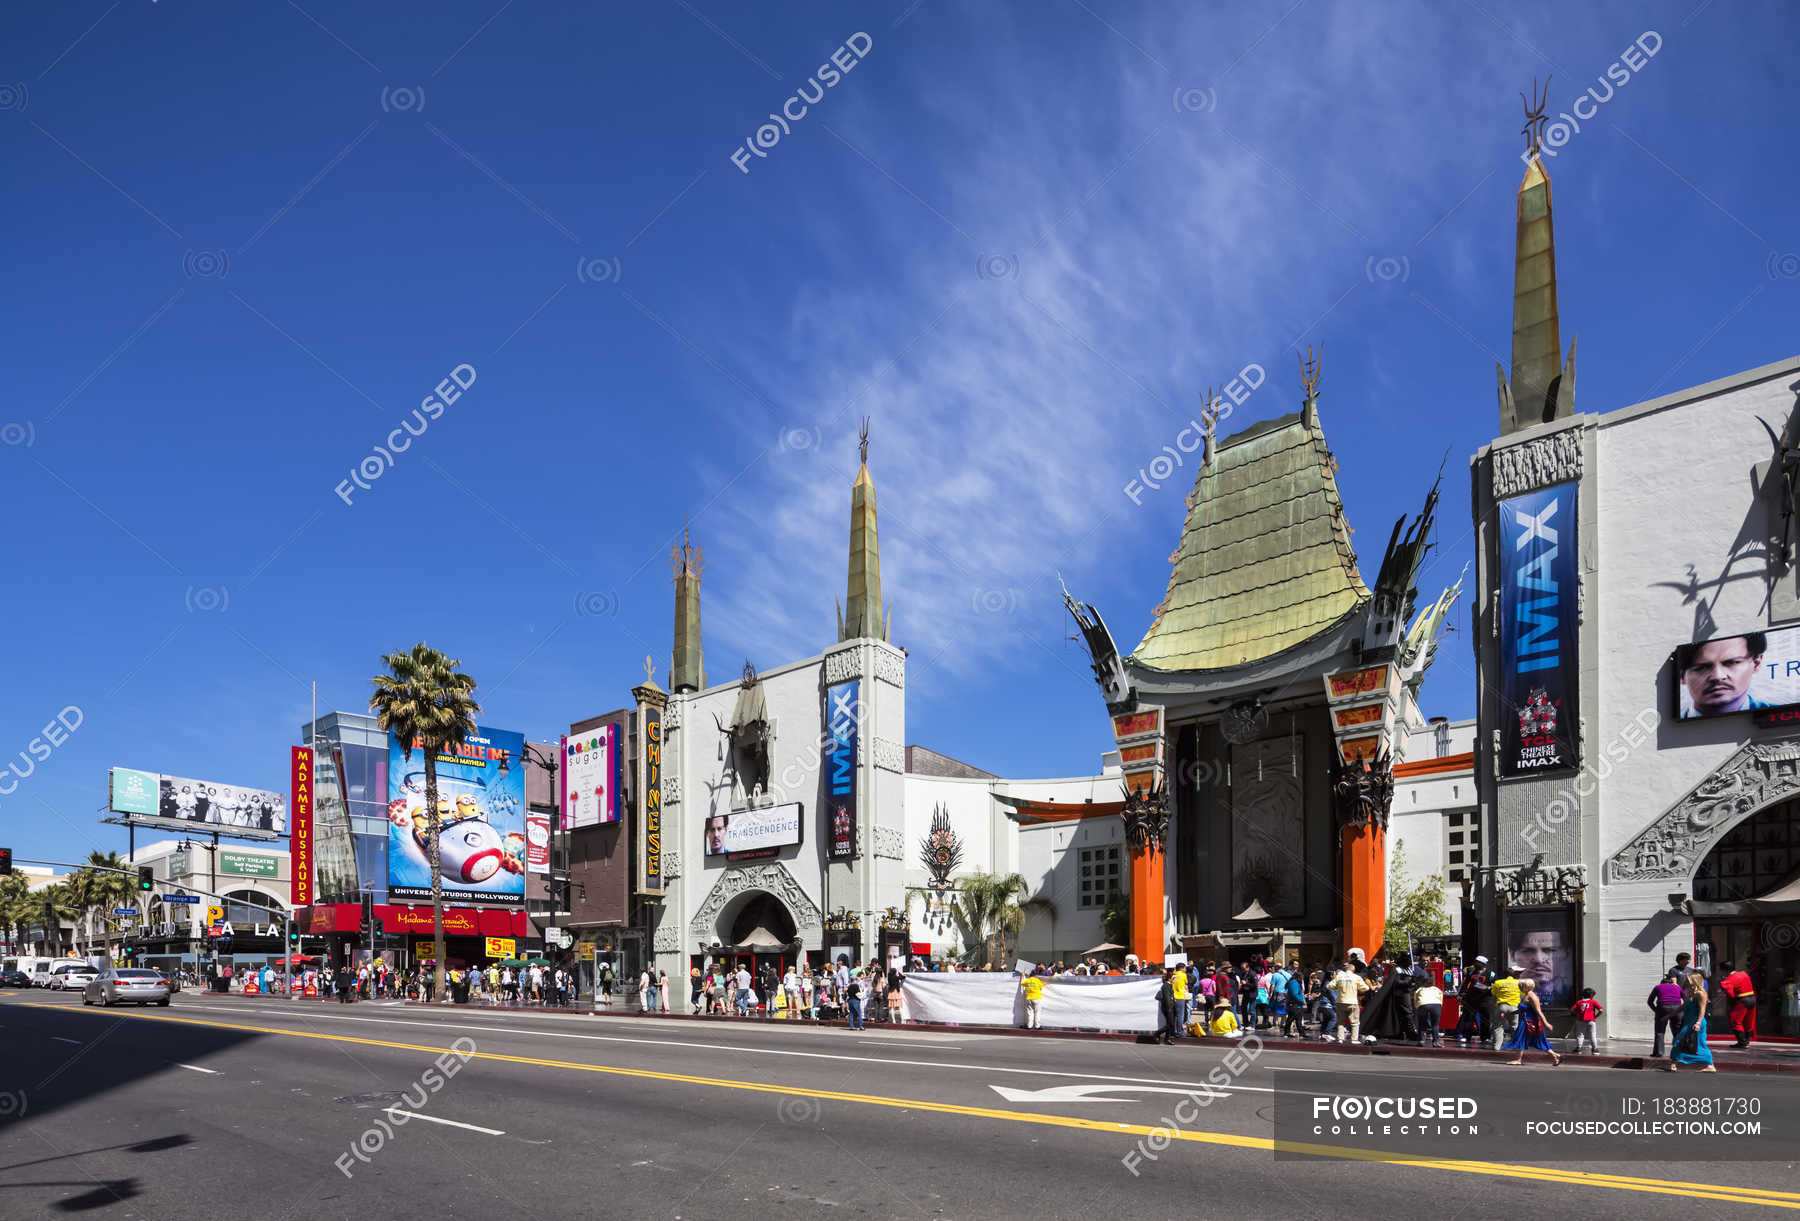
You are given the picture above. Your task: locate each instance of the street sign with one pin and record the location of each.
(125, 911)
(584, 952)
(214, 913)
(181, 898)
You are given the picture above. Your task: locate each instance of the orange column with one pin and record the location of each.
(1365, 888)
(1147, 905)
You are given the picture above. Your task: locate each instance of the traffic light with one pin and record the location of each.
(294, 938)
(146, 878)
(377, 926)
(5, 860)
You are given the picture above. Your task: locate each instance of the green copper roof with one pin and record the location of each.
(1265, 560)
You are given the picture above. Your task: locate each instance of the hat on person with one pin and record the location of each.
(1481, 958)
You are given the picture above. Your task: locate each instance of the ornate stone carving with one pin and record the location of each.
(671, 863)
(667, 938)
(889, 843)
(890, 668)
(1363, 791)
(1537, 464)
(671, 719)
(843, 921)
(1146, 816)
(765, 875)
(890, 755)
(1669, 849)
(842, 666)
(671, 790)
(1536, 886)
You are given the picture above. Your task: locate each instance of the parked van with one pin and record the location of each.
(45, 969)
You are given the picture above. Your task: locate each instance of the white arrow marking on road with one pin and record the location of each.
(404, 1115)
(1089, 1092)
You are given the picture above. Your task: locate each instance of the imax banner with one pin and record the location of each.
(843, 706)
(1538, 631)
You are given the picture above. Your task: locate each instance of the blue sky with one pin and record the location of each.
(244, 243)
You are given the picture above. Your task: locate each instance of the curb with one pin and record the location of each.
(1612, 1060)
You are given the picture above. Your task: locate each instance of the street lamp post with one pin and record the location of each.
(559, 843)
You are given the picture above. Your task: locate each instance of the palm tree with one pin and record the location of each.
(992, 907)
(54, 904)
(15, 908)
(99, 886)
(430, 705)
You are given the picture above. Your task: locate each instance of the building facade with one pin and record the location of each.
(1638, 767)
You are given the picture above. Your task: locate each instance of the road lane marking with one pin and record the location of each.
(773, 1051)
(1535, 1174)
(60, 1039)
(213, 1072)
(1093, 1092)
(404, 1115)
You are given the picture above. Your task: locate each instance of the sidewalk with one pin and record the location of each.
(1618, 1053)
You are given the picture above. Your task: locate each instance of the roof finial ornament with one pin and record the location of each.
(1533, 130)
(649, 670)
(863, 441)
(685, 559)
(1211, 411)
(1309, 371)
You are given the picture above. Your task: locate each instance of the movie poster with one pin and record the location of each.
(1538, 627)
(1749, 671)
(481, 819)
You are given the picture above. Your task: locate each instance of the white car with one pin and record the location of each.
(75, 977)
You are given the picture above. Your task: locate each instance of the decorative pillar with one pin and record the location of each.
(1146, 816)
(1363, 791)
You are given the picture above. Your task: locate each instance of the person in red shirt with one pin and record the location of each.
(1740, 1001)
(1586, 1012)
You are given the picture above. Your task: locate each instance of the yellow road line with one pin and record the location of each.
(1540, 1174)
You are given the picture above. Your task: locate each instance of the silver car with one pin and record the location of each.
(126, 985)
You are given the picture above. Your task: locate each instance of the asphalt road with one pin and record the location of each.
(227, 1107)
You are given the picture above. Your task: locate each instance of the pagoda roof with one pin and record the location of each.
(1265, 561)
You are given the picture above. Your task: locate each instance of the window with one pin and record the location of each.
(1456, 837)
(1099, 876)
(1456, 820)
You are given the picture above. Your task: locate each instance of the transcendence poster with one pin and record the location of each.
(1538, 631)
(481, 817)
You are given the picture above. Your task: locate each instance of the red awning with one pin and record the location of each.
(1026, 811)
(496, 923)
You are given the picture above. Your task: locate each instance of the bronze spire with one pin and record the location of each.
(1541, 387)
(687, 670)
(861, 614)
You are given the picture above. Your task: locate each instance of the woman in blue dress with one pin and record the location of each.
(1692, 1024)
(1533, 1031)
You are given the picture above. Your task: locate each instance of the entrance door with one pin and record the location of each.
(1768, 949)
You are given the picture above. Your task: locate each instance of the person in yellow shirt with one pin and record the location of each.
(1033, 986)
(1506, 1000)
(1225, 1023)
(1180, 982)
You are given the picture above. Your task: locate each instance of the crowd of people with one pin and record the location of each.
(820, 992)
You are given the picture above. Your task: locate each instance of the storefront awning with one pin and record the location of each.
(1782, 901)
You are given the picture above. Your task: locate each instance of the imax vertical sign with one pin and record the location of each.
(1538, 626)
(843, 707)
